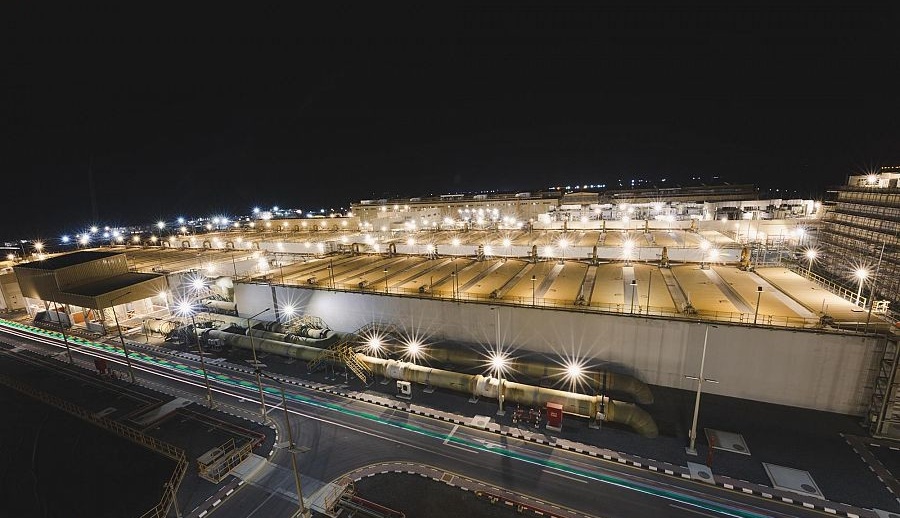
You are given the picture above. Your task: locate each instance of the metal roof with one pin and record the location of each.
(67, 260)
(110, 284)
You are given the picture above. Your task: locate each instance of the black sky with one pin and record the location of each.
(202, 113)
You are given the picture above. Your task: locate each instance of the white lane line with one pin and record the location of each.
(564, 476)
(467, 450)
(688, 509)
(449, 435)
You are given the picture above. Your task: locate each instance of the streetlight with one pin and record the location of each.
(759, 291)
(861, 274)
(262, 397)
(496, 357)
(330, 269)
(533, 279)
(810, 256)
(691, 449)
(121, 339)
(185, 309)
(563, 244)
(633, 287)
(499, 364)
(303, 512)
(573, 371)
(385, 280)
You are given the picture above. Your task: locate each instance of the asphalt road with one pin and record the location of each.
(341, 434)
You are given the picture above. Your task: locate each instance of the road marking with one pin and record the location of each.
(467, 450)
(564, 476)
(449, 435)
(688, 509)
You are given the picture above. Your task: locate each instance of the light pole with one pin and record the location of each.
(861, 274)
(385, 280)
(62, 328)
(872, 288)
(187, 309)
(498, 364)
(533, 279)
(759, 291)
(497, 361)
(649, 281)
(331, 271)
(810, 256)
(633, 288)
(303, 512)
(122, 339)
(691, 449)
(262, 397)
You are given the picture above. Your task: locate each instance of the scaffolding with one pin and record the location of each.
(884, 409)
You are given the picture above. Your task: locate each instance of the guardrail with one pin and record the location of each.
(619, 309)
(161, 509)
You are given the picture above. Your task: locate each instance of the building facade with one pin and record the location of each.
(860, 237)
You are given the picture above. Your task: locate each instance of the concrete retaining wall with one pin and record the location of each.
(811, 369)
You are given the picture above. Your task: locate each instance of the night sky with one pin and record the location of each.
(193, 114)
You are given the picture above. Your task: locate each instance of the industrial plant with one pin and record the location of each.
(578, 299)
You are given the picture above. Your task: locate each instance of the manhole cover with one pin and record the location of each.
(703, 474)
(808, 488)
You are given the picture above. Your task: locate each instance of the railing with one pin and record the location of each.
(619, 309)
(161, 509)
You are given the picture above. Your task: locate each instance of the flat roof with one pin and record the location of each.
(66, 260)
(97, 288)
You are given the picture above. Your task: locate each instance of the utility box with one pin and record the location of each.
(404, 389)
(554, 416)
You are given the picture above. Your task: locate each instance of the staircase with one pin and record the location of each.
(343, 353)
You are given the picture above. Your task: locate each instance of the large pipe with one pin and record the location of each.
(158, 325)
(579, 404)
(220, 305)
(320, 341)
(538, 369)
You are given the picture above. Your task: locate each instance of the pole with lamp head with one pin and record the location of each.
(186, 309)
(691, 449)
(121, 338)
(262, 396)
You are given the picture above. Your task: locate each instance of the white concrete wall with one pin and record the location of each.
(819, 370)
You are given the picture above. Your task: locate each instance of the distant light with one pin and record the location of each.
(275, 208)
(574, 370)
(811, 254)
(65, 239)
(506, 242)
(454, 241)
(498, 362)
(256, 210)
(289, 310)
(198, 284)
(410, 241)
(871, 179)
(93, 230)
(488, 250)
(414, 348)
(861, 273)
(160, 225)
(430, 248)
(184, 308)
(38, 246)
(181, 221)
(136, 238)
(564, 243)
